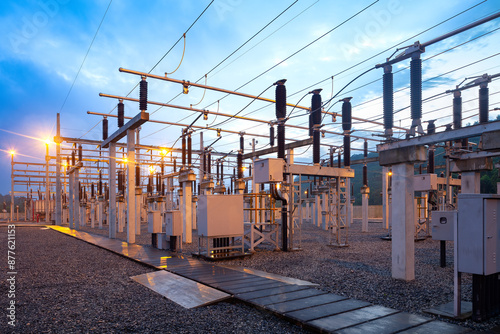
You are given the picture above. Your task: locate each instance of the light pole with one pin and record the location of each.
(47, 185)
(12, 185)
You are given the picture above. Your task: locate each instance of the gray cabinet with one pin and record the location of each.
(478, 233)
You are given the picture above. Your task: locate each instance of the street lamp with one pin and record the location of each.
(12, 153)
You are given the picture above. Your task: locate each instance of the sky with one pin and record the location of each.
(56, 56)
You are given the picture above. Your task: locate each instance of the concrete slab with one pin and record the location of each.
(276, 277)
(299, 304)
(279, 294)
(447, 311)
(352, 318)
(326, 310)
(180, 290)
(390, 324)
(436, 327)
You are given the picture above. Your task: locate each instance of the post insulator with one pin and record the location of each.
(311, 125)
(209, 164)
(416, 88)
(271, 136)
(347, 151)
(365, 149)
(204, 163)
(183, 150)
(217, 170)
(222, 172)
(339, 159)
(242, 144)
(80, 153)
(431, 127)
(67, 163)
(483, 105)
(316, 147)
(346, 114)
(137, 175)
(175, 166)
(457, 110)
(331, 157)
(280, 100)
(388, 98)
(149, 187)
(92, 190)
(100, 183)
(240, 165)
(189, 150)
(316, 107)
(105, 129)
(121, 114)
(73, 163)
(143, 95)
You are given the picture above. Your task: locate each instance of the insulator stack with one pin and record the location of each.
(365, 149)
(137, 175)
(483, 105)
(143, 95)
(120, 180)
(80, 153)
(106, 191)
(217, 170)
(339, 159)
(430, 164)
(104, 128)
(347, 151)
(92, 190)
(204, 164)
(416, 92)
(280, 101)
(222, 172)
(189, 151)
(67, 163)
(183, 150)
(158, 182)
(457, 110)
(346, 114)
(331, 157)
(175, 166)
(271, 136)
(281, 141)
(240, 165)
(250, 170)
(209, 164)
(316, 118)
(242, 144)
(280, 115)
(311, 125)
(149, 187)
(100, 183)
(365, 175)
(121, 114)
(388, 92)
(431, 127)
(73, 163)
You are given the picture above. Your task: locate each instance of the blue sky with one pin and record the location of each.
(44, 43)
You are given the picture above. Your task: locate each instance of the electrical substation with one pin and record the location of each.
(236, 202)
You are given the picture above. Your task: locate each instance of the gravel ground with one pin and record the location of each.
(65, 285)
(361, 271)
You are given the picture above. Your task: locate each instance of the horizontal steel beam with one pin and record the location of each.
(133, 124)
(318, 171)
(289, 146)
(451, 135)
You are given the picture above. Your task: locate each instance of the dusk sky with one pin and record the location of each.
(56, 56)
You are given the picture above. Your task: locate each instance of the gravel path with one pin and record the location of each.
(361, 271)
(65, 285)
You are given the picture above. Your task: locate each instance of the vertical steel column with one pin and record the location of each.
(112, 190)
(12, 187)
(131, 186)
(71, 200)
(137, 188)
(187, 195)
(47, 185)
(385, 197)
(76, 192)
(58, 208)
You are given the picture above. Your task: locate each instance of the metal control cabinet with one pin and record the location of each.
(220, 215)
(173, 223)
(154, 221)
(268, 170)
(425, 182)
(478, 228)
(443, 223)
